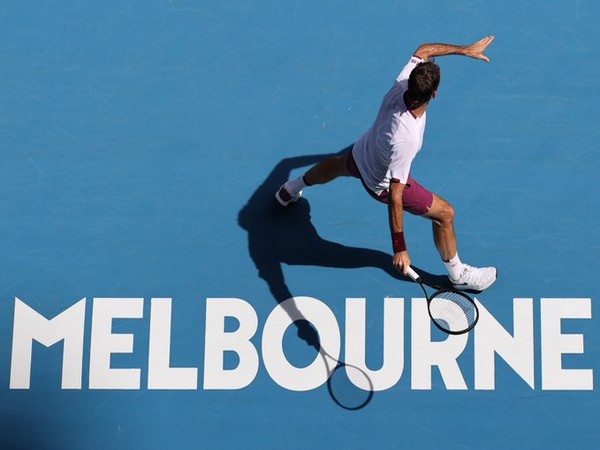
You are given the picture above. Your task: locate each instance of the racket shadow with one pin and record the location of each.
(348, 386)
(278, 236)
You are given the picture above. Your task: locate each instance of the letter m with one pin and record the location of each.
(29, 325)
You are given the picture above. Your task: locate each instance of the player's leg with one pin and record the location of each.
(326, 171)
(441, 214)
(418, 200)
(321, 173)
(462, 276)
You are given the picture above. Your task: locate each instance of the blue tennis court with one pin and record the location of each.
(154, 294)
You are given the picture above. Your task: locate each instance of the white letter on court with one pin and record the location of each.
(104, 343)
(426, 354)
(323, 320)
(217, 342)
(492, 338)
(160, 374)
(555, 344)
(393, 343)
(30, 326)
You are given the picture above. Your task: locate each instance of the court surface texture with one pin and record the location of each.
(146, 267)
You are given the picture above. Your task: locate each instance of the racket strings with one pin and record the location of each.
(453, 311)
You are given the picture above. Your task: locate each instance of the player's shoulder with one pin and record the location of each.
(408, 68)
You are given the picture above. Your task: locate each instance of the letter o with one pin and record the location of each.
(276, 363)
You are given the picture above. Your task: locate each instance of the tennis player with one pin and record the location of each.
(382, 158)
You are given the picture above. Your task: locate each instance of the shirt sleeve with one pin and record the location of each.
(400, 163)
(408, 68)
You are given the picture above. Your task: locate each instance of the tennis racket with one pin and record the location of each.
(452, 311)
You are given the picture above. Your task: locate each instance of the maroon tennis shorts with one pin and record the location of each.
(415, 199)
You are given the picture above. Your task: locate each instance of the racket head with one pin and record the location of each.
(453, 312)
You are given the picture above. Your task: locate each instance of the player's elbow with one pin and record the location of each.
(422, 52)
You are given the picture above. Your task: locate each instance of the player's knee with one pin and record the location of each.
(450, 213)
(446, 214)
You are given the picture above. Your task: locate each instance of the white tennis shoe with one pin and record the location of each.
(284, 197)
(475, 279)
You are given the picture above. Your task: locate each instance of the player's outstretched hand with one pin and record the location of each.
(477, 49)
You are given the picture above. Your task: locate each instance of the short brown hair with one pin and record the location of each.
(423, 82)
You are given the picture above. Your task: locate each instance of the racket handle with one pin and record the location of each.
(411, 273)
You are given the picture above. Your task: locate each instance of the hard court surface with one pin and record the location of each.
(142, 143)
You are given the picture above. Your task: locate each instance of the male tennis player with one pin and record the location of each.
(382, 158)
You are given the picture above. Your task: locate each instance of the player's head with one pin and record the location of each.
(423, 83)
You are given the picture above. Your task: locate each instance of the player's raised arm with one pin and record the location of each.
(475, 50)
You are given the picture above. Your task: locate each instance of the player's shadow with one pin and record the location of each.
(286, 235)
(280, 235)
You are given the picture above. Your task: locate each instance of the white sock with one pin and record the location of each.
(454, 266)
(295, 186)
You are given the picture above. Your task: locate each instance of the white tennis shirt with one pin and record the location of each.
(387, 149)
